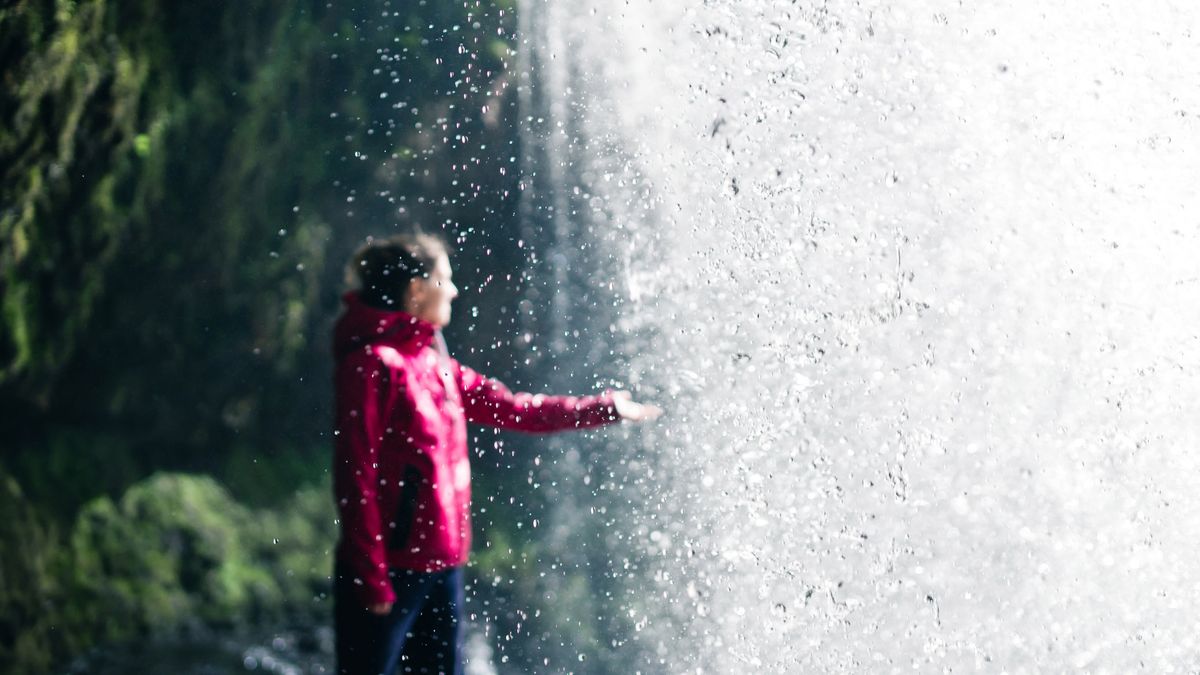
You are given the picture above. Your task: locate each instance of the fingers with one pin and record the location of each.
(644, 412)
(628, 409)
(651, 411)
(381, 608)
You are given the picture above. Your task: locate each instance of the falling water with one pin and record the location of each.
(917, 283)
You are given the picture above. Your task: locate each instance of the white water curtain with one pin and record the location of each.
(919, 284)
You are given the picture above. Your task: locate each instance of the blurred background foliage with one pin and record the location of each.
(182, 182)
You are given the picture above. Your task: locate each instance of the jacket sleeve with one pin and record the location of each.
(489, 402)
(361, 390)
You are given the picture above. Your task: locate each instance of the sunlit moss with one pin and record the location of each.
(177, 549)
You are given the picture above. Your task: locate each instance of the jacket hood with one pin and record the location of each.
(361, 325)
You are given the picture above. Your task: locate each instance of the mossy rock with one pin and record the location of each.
(295, 542)
(170, 554)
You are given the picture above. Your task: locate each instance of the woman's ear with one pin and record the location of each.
(414, 294)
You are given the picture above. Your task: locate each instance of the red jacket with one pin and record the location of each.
(401, 474)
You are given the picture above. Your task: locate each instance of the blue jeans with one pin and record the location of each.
(422, 634)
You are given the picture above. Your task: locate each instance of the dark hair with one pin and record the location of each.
(383, 268)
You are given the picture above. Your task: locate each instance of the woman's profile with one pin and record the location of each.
(402, 479)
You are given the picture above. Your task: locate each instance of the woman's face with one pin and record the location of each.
(429, 298)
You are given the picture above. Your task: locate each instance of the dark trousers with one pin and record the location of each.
(422, 634)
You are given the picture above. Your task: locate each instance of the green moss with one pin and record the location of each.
(174, 551)
(26, 581)
(142, 144)
(123, 573)
(295, 543)
(66, 120)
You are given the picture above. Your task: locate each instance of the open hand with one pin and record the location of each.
(631, 410)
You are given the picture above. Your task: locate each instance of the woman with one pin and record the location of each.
(401, 473)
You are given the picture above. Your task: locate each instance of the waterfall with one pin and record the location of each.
(916, 283)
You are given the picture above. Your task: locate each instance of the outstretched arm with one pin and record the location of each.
(489, 402)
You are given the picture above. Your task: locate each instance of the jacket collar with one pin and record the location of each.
(361, 325)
